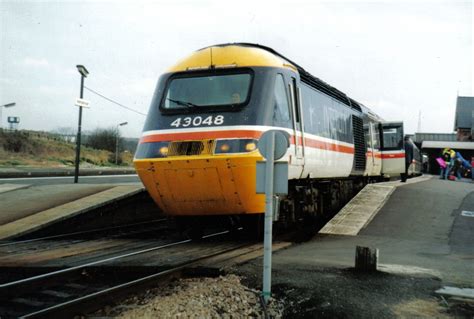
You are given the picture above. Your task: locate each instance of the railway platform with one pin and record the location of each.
(421, 227)
(27, 208)
(424, 234)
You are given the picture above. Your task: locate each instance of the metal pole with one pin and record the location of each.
(267, 241)
(78, 139)
(116, 144)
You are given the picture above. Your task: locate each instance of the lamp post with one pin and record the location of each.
(1, 108)
(117, 141)
(83, 71)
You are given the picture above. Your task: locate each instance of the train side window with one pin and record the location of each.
(297, 109)
(375, 136)
(282, 108)
(367, 134)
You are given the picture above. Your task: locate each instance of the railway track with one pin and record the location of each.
(88, 286)
(114, 231)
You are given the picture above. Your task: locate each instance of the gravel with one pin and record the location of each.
(220, 297)
(311, 291)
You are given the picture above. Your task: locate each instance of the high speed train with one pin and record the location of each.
(198, 152)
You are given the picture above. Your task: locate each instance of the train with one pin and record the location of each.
(198, 151)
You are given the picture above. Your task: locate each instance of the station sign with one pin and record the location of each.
(13, 119)
(82, 103)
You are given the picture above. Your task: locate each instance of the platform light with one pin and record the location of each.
(4, 106)
(82, 69)
(117, 140)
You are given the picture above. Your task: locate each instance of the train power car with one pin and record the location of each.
(198, 152)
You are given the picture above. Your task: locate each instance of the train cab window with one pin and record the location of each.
(282, 108)
(392, 138)
(191, 91)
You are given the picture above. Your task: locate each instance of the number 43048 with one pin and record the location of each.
(198, 121)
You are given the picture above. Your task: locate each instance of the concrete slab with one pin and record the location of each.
(456, 292)
(47, 217)
(358, 213)
(24, 202)
(11, 187)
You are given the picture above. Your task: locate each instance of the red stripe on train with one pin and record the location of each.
(200, 135)
(396, 155)
(242, 134)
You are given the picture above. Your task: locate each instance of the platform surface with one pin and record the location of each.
(419, 230)
(357, 214)
(23, 210)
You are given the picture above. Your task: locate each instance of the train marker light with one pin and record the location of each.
(224, 147)
(250, 147)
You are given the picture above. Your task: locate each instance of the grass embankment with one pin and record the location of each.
(39, 149)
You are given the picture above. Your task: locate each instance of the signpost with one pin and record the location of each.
(272, 145)
(13, 121)
(82, 103)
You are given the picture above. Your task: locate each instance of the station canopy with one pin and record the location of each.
(445, 144)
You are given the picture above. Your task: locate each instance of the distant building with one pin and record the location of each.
(464, 118)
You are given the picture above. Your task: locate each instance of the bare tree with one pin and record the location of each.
(103, 139)
(67, 133)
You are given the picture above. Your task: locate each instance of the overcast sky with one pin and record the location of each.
(395, 57)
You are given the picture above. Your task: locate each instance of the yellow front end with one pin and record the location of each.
(203, 185)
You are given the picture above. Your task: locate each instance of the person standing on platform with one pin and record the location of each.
(456, 167)
(444, 171)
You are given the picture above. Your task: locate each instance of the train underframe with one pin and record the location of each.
(309, 203)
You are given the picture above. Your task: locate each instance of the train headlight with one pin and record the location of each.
(235, 146)
(152, 150)
(164, 151)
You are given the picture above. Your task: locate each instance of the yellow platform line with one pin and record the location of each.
(68, 210)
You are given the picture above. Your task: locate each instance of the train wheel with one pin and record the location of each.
(252, 226)
(189, 227)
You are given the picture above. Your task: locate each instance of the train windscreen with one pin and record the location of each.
(392, 138)
(207, 90)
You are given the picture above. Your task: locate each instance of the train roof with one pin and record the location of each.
(259, 55)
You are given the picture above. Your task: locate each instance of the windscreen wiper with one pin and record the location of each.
(183, 103)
